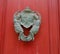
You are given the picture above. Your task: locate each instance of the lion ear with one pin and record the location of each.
(36, 16)
(17, 15)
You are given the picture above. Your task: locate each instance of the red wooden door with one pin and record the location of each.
(46, 40)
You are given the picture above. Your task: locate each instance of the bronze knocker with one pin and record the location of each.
(26, 18)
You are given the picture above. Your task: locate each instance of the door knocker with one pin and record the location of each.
(26, 18)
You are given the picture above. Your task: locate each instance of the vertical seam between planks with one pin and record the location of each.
(58, 23)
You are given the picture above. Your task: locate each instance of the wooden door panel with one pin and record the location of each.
(46, 40)
(41, 43)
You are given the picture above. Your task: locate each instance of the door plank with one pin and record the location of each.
(1, 3)
(54, 26)
(2, 24)
(59, 23)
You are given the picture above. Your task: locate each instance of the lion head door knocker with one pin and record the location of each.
(26, 18)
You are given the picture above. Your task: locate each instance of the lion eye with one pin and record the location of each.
(19, 18)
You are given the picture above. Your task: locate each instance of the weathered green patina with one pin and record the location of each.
(26, 18)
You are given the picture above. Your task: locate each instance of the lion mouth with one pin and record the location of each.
(27, 24)
(26, 30)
